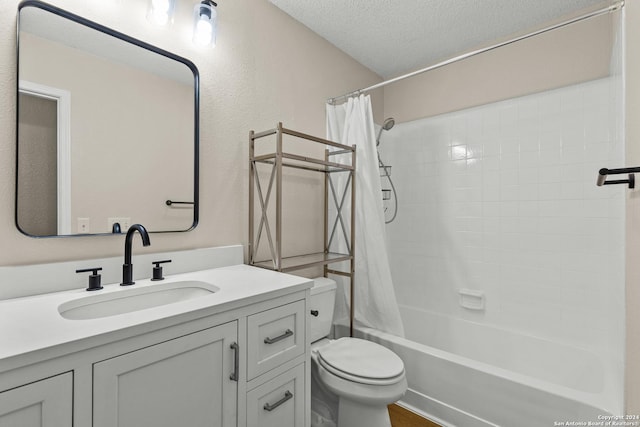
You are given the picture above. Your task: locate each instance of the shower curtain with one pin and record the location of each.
(374, 297)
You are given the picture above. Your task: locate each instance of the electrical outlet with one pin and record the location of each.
(83, 225)
(124, 222)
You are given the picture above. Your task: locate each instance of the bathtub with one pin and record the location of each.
(467, 374)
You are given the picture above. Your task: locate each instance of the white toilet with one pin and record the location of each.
(364, 376)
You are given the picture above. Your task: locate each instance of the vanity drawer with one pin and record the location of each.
(278, 402)
(274, 337)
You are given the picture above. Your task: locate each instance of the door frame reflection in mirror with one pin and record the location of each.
(64, 182)
(63, 133)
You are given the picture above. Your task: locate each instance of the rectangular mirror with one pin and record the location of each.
(107, 129)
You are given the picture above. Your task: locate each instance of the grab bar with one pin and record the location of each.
(631, 180)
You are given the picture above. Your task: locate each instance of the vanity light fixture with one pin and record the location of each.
(160, 11)
(205, 17)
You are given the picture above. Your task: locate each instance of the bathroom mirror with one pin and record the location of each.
(107, 129)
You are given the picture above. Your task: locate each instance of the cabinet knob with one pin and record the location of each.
(315, 313)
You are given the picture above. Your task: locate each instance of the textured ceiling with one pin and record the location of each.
(393, 37)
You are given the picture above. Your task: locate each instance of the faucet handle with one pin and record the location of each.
(94, 278)
(157, 270)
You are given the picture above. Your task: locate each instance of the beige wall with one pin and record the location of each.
(573, 54)
(265, 68)
(632, 92)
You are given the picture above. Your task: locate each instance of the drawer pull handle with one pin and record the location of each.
(286, 334)
(236, 361)
(287, 395)
(315, 313)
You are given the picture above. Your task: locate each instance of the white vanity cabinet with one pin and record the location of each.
(187, 381)
(237, 359)
(44, 403)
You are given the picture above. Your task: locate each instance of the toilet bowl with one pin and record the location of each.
(363, 376)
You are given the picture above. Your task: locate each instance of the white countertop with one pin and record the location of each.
(32, 329)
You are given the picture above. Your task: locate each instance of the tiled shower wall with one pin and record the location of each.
(502, 199)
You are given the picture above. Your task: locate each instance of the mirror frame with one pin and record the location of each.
(128, 39)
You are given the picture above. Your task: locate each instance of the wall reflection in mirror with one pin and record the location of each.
(107, 129)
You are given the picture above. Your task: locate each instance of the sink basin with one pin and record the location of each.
(136, 299)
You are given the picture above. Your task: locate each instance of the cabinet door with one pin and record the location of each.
(45, 403)
(279, 402)
(182, 382)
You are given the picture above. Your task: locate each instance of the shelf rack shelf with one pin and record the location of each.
(300, 262)
(279, 159)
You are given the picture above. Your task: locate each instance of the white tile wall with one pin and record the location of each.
(502, 198)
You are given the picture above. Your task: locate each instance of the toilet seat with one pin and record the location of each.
(361, 361)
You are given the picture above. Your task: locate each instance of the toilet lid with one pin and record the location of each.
(361, 358)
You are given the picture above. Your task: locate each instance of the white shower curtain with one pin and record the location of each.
(374, 300)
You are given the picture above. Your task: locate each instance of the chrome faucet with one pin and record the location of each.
(127, 267)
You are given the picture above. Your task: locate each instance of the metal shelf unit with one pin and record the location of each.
(280, 160)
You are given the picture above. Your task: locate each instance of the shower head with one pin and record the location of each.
(388, 124)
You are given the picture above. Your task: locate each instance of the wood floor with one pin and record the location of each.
(401, 417)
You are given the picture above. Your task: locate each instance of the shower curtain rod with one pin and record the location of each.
(612, 8)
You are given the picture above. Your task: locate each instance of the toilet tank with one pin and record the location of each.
(322, 301)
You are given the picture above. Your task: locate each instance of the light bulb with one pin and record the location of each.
(160, 11)
(160, 17)
(161, 5)
(203, 32)
(204, 25)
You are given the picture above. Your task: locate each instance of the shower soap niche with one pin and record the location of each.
(471, 299)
